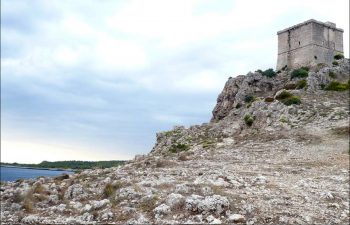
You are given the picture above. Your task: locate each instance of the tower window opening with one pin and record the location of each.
(315, 57)
(299, 43)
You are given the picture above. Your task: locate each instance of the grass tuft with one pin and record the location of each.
(248, 119)
(175, 148)
(337, 86)
(338, 56)
(300, 73)
(301, 84)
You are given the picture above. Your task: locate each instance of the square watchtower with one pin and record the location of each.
(309, 43)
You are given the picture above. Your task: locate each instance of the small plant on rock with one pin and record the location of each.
(288, 99)
(292, 100)
(269, 73)
(335, 63)
(331, 74)
(249, 98)
(175, 148)
(300, 73)
(109, 190)
(301, 84)
(284, 95)
(337, 86)
(338, 56)
(248, 119)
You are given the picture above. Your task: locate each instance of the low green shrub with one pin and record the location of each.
(335, 63)
(290, 86)
(338, 56)
(331, 74)
(288, 99)
(269, 73)
(305, 68)
(175, 148)
(300, 73)
(337, 86)
(292, 100)
(301, 84)
(248, 119)
(249, 98)
(284, 95)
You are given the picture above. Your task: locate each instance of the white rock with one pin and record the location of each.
(216, 204)
(128, 193)
(182, 188)
(191, 203)
(327, 195)
(61, 207)
(31, 219)
(15, 206)
(175, 201)
(99, 204)
(237, 218)
(260, 180)
(76, 205)
(87, 208)
(74, 191)
(87, 217)
(206, 191)
(162, 209)
(140, 220)
(107, 216)
(211, 204)
(107, 180)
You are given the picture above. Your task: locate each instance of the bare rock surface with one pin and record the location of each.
(289, 166)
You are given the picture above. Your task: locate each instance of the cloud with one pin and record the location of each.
(105, 76)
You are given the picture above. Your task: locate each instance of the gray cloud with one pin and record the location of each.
(88, 73)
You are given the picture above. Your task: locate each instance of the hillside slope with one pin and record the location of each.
(275, 151)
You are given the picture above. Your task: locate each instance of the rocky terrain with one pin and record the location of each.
(275, 152)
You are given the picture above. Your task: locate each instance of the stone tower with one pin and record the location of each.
(309, 43)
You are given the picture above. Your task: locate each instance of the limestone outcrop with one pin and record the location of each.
(275, 152)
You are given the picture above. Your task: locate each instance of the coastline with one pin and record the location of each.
(39, 168)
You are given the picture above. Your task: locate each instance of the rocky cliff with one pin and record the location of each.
(275, 151)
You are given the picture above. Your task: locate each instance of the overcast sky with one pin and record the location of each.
(95, 80)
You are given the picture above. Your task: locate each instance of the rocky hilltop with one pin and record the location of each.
(276, 151)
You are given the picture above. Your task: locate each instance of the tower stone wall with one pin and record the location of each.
(308, 43)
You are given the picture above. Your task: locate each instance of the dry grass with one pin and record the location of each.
(122, 217)
(341, 131)
(28, 202)
(147, 205)
(219, 190)
(183, 157)
(161, 163)
(40, 197)
(109, 190)
(61, 192)
(39, 189)
(18, 197)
